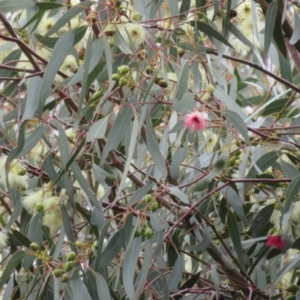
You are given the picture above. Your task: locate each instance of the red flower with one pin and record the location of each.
(195, 121)
(276, 241)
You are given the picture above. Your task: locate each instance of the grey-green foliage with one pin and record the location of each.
(148, 149)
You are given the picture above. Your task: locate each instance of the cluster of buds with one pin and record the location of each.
(146, 232)
(150, 200)
(124, 76)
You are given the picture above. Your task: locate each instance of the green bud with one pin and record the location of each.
(68, 266)
(232, 161)
(137, 16)
(148, 233)
(293, 288)
(138, 232)
(210, 88)
(21, 171)
(148, 198)
(292, 297)
(162, 83)
(34, 247)
(109, 30)
(123, 81)
(71, 256)
(115, 77)
(111, 41)
(123, 70)
(154, 206)
(180, 51)
(149, 69)
(58, 272)
(39, 206)
(96, 95)
(64, 277)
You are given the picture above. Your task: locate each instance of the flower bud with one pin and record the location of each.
(34, 247)
(123, 81)
(21, 171)
(137, 17)
(68, 266)
(180, 51)
(154, 206)
(148, 198)
(111, 41)
(123, 70)
(64, 277)
(71, 256)
(138, 232)
(97, 95)
(109, 30)
(58, 272)
(293, 288)
(148, 233)
(115, 77)
(162, 83)
(210, 88)
(39, 206)
(149, 69)
(142, 54)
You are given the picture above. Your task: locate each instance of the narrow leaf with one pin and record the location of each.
(271, 15)
(234, 233)
(61, 50)
(238, 123)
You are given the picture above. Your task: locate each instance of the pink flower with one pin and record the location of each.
(195, 121)
(276, 241)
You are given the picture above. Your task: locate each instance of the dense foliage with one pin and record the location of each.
(149, 149)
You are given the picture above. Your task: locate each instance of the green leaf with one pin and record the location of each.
(131, 148)
(182, 87)
(118, 131)
(145, 267)
(32, 99)
(68, 227)
(48, 5)
(290, 193)
(234, 233)
(275, 107)
(235, 202)
(32, 139)
(100, 242)
(61, 50)
(20, 144)
(279, 38)
(129, 266)
(102, 287)
(205, 239)
(176, 274)
(97, 130)
(271, 16)
(260, 222)
(111, 250)
(24, 240)
(154, 150)
(185, 6)
(158, 223)
(11, 265)
(79, 289)
(238, 123)
(296, 32)
(266, 161)
(237, 33)
(211, 32)
(7, 6)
